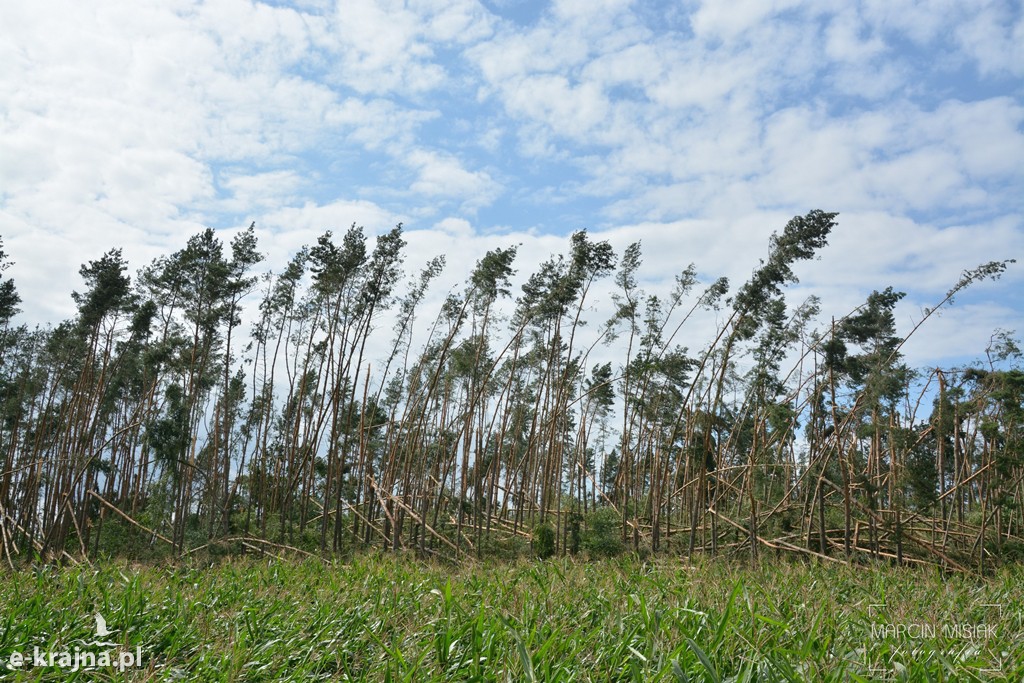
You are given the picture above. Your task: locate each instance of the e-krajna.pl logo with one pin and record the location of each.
(89, 658)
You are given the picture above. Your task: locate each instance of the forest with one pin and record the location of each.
(203, 405)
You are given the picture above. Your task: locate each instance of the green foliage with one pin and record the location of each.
(506, 548)
(993, 270)
(800, 239)
(108, 288)
(603, 534)
(921, 472)
(610, 472)
(873, 328)
(9, 298)
(490, 278)
(334, 267)
(600, 389)
(544, 540)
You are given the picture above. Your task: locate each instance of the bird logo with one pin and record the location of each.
(101, 626)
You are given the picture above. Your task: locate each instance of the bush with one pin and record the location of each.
(603, 536)
(544, 540)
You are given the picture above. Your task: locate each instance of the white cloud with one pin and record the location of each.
(388, 47)
(573, 110)
(378, 123)
(587, 10)
(919, 20)
(313, 219)
(439, 175)
(253, 191)
(725, 19)
(903, 158)
(986, 135)
(845, 39)
(955, 335)
(459, 228)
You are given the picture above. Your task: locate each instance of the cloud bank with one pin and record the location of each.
(695, 127)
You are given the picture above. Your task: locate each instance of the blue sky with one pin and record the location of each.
(695, 127)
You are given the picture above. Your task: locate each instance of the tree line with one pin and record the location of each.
(204, 406)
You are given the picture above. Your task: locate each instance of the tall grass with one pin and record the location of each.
(384, 618)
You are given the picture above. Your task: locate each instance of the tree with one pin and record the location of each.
(9, 298)
(238, 284)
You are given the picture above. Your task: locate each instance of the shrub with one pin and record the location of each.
(603, 536)
(508, 548)
(544, 540)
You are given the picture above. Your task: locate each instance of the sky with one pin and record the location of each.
(697, 127)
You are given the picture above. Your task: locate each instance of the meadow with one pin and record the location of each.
(388, 617)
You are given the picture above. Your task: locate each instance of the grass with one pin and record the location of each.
(387, 618)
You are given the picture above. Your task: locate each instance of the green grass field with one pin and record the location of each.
(397, 619)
